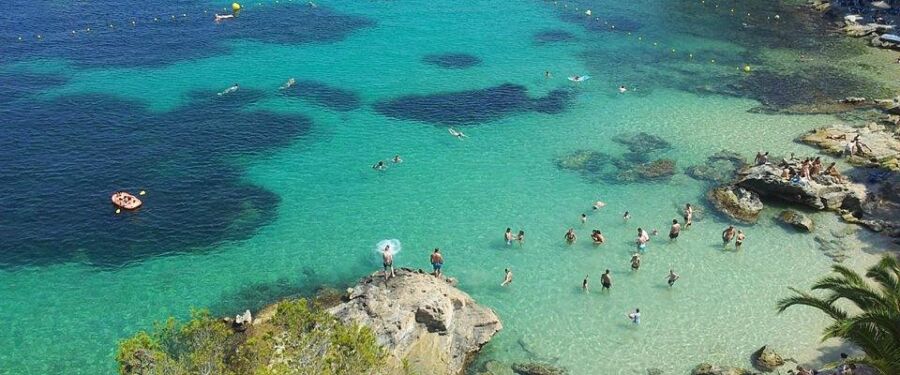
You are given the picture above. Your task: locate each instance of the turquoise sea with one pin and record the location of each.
(265, 193)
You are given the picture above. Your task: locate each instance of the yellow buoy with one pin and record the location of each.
(143, 192)
(747, 68)
(235, 7)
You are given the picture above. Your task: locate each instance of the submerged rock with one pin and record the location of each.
(642, 142)
(796, 220)
(585, 161)
(736, 202)
(421, 319)
(835, 248)
(721, 167)
(534, 368)
(708, 369)
(765, 359)
(660, 168)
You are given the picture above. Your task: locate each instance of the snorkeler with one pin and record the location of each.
(456, 133)
(672, 277)
(507, 277)
(387, 257)
(290, 83)
(229, 90)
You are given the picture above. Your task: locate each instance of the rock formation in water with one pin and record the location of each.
(796, 220)
(736, 202)
(421, 319)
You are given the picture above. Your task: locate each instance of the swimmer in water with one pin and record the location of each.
(635, 261)
(635, 317)
(739, 240)
(675, 231)
(672, 277)
(229, 90)
(521, 238)
(570, 236)
(397, 159)
(606, 280)
(508, 236)
(584, 284)
(222, 17)
(583, 219)
(626, 216)
(456, 133)
(688, 215)
(597, 237)
(507, 277)
(728, 235)
(379, 166)
(598, 205)
(387, 257)
(622, 89)
(290, 83)
(547, 74)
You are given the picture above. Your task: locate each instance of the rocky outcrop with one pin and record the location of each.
(421, 319)
(736, 202)
(720, 167)
(796, 220)
(821, 192)
(534, 368)
(766, 359)
(883, 148)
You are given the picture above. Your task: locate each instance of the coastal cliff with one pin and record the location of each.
(421, 320)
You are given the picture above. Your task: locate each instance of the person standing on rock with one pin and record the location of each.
(606, 280)
(507, 277)
(437, 262)
(728, 235)
(675, 231)
(688, 215)
(387, 257)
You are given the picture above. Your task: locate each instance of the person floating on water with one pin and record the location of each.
(379, 166)
(570, 236)
(507, 277)
(397, 159)
(739, 240)
(437, 262)
(622, 89)
(635, 317)
(606, 280)
(635, 261)
(675, 231)
(728, 235)
(222, 17)
(456, 133)
(598, 205)
(229, 90)
(584, 284)
(508, 236)
(672, 277)
(387, 257)
(688, 215)
(290, 83)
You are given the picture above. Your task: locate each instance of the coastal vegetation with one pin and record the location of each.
(300, 338)
(875, 328)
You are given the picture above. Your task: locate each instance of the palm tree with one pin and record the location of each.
(876, 327)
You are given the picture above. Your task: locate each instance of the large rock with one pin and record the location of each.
(720, 167)
(796, 220)
(883, 150)
(421, 319)
(765, 359)
(736, 202)
(534, 368)
(820, 193)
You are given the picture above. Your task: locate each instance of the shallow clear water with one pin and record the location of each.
(260, 195)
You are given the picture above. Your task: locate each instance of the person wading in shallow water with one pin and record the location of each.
(606, 280)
